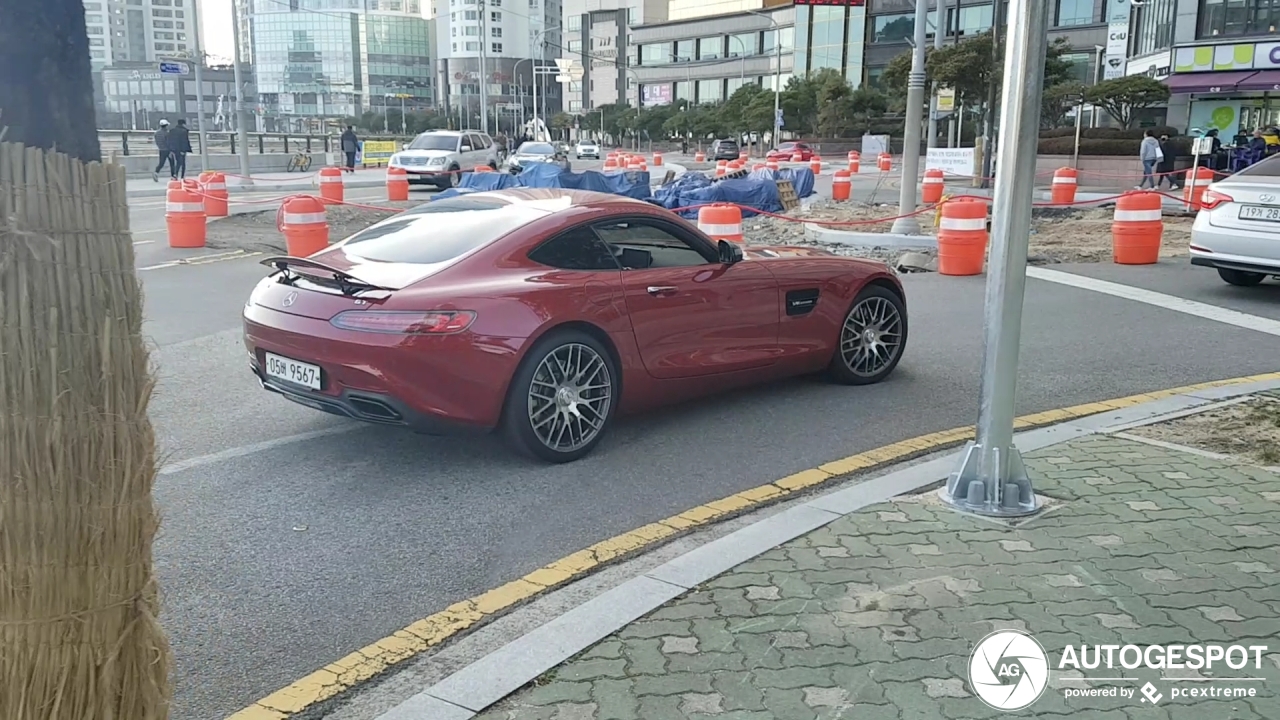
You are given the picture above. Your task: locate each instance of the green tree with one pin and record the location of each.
(1122, 98)
(867, 104)
(1057, 103)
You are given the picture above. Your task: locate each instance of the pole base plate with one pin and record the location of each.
(969, 490)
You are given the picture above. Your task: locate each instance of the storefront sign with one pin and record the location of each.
(1114, 64)
(1220, 115)
(953, 161)
(1240, 56)
(1266, 56)
(376, 152)
(1157, 66)
(652, 95)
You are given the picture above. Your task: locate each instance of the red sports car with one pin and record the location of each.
(787, 150)
(543, 313)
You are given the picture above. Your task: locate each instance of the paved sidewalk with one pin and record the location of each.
(875, 615)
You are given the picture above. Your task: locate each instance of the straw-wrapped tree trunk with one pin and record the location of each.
(78, 599)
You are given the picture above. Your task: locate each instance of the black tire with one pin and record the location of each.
(1240, 277)
(849, 365)
(293, 163)
(306, 163)
(450, 178)
(518, 424)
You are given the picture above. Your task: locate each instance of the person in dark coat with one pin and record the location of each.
(1166, 165)
(350, 146)
(162, 148)
(179, 146)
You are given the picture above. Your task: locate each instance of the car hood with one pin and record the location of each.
(426, 153)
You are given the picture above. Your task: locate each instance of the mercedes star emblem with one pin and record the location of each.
(289, 299)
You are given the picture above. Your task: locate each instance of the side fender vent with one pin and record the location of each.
(801, 302)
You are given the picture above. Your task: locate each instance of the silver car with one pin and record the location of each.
(1238, 229)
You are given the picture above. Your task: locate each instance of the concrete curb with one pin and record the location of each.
(269, 186)
(817, 233)
(479, 685)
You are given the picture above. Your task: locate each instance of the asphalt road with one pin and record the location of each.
(291, 538)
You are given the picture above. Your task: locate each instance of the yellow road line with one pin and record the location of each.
(435, 630)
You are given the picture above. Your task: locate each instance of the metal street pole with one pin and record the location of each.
(911, 137)
(991, 479)
(484, 76)
(200, 125)
(242, 120)
(989, 115)
(939, 30)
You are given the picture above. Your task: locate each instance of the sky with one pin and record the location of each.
(215, 26)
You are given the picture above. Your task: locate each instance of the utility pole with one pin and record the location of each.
(242, 120)
(911, 137)
(992, 479)
(989, 115)
(204, 138)
(939, 30)
(484, 76)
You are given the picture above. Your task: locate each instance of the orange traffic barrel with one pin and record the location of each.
(633, 163)
(797, 157)
(699, 157)
(722, 163)
(1195, 184)
(215, 194)
(657, 159)
(854, 156)
(962, 237)
(884, 162)
(482, 169)
(815, 165)
(758, 166)
(841, 185)
(721, 222)
(933, 185)
(1137, 228)
(1065, 182)
(772, 165)
(721, 170)
(611, 163)
(397, 185)
(744, 156)
(331, 189)
(184, 218)
(855, 164)
(305, 228)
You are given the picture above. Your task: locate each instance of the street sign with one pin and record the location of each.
(946, 100)
(778, 119)
(1202, 146)
(175, 68)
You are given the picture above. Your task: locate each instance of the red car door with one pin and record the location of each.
(692, 314)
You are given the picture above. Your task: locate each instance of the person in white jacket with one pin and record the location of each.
(1150, 155)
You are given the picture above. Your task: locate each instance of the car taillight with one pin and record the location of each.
(1213, 198)
(436, 322)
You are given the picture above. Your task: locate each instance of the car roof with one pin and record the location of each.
(452, 133)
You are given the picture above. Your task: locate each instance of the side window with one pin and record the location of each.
(487, 141)
(642, 244)
(577, 249)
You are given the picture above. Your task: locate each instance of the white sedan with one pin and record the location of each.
(1237, 231)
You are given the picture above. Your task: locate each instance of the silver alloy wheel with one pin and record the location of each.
(569, 397)
(871, 337)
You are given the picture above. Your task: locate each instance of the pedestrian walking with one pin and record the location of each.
(179, 146)
(1150, 155)
(162, 148)
(1166, 166)
(350, 146)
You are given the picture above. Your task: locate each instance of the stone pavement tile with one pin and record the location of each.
(875, 615)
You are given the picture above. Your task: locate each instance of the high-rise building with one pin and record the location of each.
(598, 34)
(501, 41)
(122, 31)
(336, 58)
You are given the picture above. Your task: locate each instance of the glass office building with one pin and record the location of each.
(334, 60)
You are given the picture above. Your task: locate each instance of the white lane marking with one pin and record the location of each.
(136, 243)
(148, 232)
(1168, 302)
(243, 450)
(203, 259)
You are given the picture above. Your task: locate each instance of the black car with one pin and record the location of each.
(724, 150)
(536, 152)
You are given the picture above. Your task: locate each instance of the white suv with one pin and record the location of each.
(437, 156)
(586, 148)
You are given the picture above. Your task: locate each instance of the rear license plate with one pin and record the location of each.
(1260, 212)
(290, 370)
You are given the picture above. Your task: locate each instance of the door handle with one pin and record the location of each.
(661, 289)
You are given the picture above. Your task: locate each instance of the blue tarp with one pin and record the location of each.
(747, 192)
(547, 175)
(485, 181)
(801, 178)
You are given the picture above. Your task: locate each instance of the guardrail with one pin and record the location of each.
(142, 142)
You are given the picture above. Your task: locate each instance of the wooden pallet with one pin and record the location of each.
(669, 178)
(787, 194)
(741, 173)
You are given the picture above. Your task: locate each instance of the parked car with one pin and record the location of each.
(787, 150)
(537, 152)
(724, 150)
(543, 313)
(1238, 230)
(437, 157)
(587, 149)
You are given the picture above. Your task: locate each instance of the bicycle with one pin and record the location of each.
(300, 162)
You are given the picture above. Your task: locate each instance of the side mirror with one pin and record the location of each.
(730, 253)
(466, 148)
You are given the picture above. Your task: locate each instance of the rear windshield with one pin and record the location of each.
(1268, 167)
(460, 225)
(536, 149)
(434, 142)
